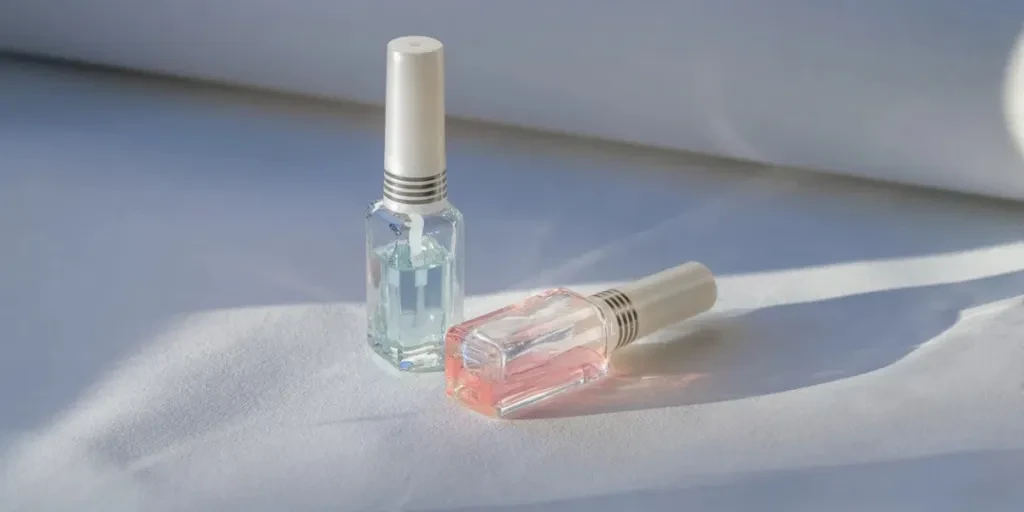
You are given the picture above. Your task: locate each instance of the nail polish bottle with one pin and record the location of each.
(414, 235)
(523, 354)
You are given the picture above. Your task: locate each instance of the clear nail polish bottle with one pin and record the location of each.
(506, 361)
(414, 235)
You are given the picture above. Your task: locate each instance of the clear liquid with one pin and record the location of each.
(413, 303)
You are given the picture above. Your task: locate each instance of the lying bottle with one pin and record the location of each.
(526, 353)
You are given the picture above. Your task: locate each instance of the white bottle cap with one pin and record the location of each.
(659, 300)
(414, 135)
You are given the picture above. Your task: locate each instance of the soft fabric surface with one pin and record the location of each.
(182, 324)
(928, 92)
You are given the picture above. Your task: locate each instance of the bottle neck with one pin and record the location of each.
(420, 194)
(658, 301)
(621, 311)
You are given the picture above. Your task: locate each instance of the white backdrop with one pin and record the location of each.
(183, 326)
(918, 91)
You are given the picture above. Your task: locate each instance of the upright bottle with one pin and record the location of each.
(414, 236)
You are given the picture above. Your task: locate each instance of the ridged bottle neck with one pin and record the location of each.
(657, 301)
(416, 194)
(623, 313)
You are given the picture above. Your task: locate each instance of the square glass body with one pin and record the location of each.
(518, 356)
(414, 284)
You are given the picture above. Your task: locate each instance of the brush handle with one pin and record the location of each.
(659, 300)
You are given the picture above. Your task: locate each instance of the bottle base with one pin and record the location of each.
(422, 359)
(511, 398)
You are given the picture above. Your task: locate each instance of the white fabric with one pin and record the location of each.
(928, 92)
(182, 325)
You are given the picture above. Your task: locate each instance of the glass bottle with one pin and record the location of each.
(414, 283)
(414, 235)
(526, 353)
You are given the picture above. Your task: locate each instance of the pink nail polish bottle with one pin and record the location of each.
(523, 354)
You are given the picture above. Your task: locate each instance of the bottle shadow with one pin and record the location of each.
(724, 356)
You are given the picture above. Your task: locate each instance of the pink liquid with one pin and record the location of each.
(525, 353)
(528, 380)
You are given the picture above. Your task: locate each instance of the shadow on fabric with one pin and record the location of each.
(735, 355)
(976, 480)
